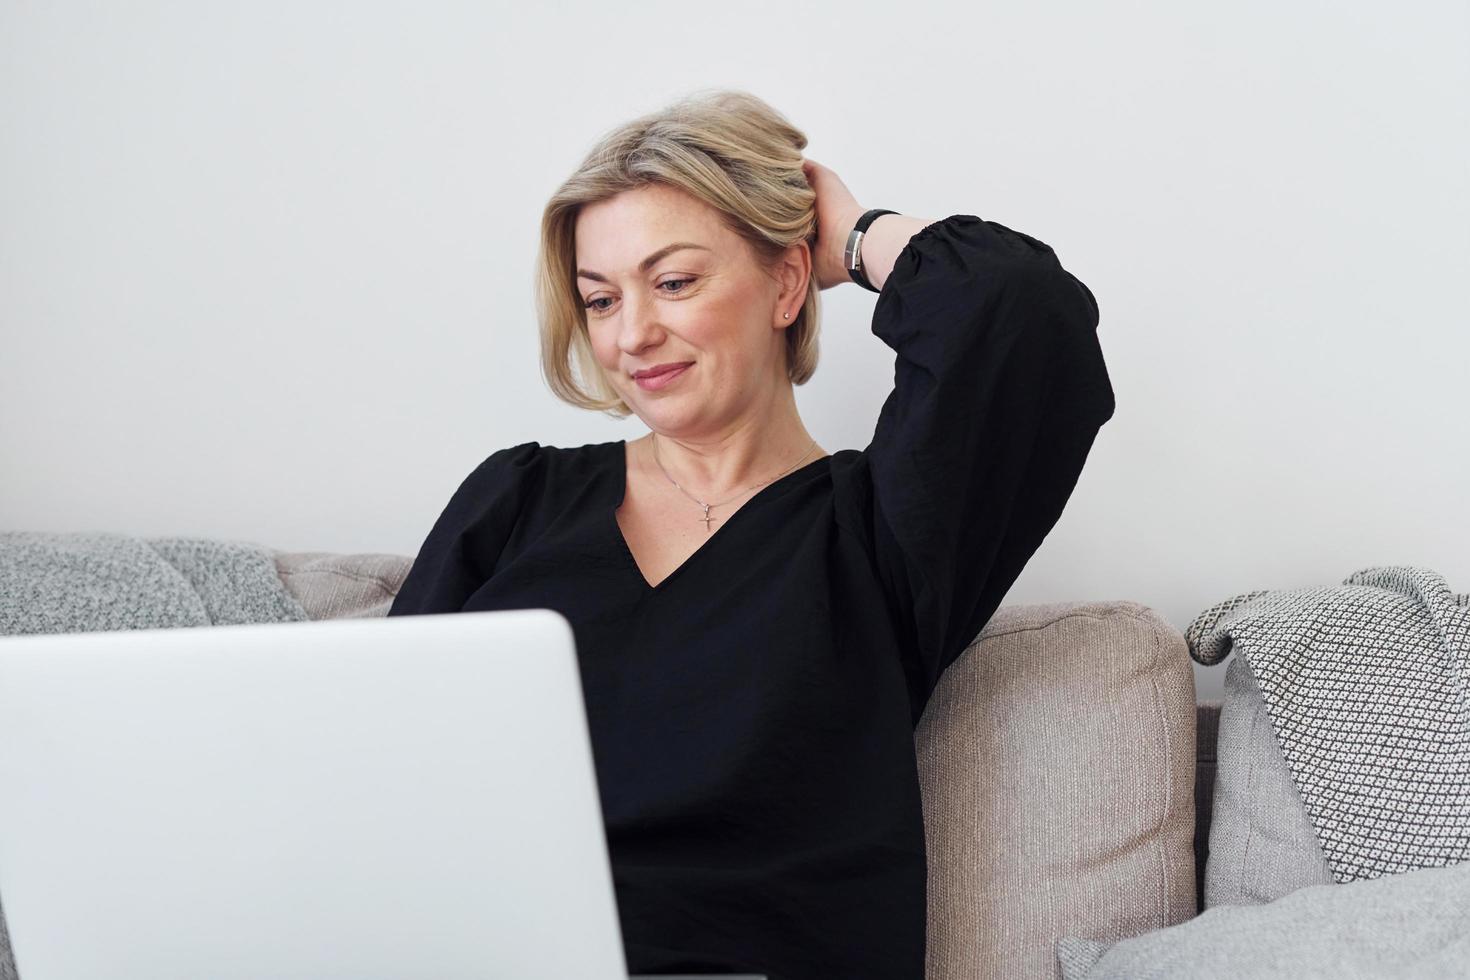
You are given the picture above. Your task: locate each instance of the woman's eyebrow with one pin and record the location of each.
(647, 263)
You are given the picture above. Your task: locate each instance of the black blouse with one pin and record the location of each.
(752, 715)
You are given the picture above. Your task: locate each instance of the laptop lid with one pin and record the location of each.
(397, 797)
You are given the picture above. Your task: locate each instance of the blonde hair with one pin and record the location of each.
(726, 148)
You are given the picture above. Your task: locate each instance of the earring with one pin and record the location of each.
(786, 315)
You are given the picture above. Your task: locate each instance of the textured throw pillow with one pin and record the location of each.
(342, 586)
(1415, 924)
(1056, 761)
(1262, 844)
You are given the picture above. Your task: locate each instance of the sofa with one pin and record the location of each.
(1067, 773)
(1075, 792)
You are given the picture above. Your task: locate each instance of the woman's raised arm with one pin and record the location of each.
(999, 391)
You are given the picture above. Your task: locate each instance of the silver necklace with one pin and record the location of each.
(706, 518)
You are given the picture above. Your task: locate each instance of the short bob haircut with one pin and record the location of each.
(726, 148)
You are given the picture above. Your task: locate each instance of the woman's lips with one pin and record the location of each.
(661, 380)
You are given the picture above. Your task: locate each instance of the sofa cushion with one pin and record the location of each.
(1411, 924)
(330, 585)
(1262, 845)
(95, 581)
(1057, 763)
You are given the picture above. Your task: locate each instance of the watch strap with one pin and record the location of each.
(852, 254)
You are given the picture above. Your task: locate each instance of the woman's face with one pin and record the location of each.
(708, 305)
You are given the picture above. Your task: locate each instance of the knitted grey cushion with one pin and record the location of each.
(81, 582)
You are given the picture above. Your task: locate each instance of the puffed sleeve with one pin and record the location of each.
(999, 391)
(462, 548)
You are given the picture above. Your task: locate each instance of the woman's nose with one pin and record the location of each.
(639, 318)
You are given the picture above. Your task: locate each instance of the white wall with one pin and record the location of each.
(265, 268)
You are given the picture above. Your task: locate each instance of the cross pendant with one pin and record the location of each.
(706, 518)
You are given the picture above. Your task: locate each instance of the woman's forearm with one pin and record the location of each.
(884, 239)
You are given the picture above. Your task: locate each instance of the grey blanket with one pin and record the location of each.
(91, 582)
(1365, 685)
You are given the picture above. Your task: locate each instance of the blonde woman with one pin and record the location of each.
(759, 622)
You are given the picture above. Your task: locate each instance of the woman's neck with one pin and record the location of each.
(728, 466)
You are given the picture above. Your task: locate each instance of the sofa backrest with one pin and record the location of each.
(1066, 771)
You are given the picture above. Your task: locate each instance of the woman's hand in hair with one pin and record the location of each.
(837, 212)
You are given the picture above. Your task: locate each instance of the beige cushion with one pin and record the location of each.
(1056, 760)
(342, 586)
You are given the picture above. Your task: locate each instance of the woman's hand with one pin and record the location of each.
(837, 213)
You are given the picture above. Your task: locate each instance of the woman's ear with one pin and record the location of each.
(794, 273)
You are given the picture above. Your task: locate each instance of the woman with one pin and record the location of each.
(759, 623)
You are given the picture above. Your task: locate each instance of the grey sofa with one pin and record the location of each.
(1071, 782)
(1068, 773)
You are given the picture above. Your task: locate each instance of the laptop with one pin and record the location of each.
(361, 798)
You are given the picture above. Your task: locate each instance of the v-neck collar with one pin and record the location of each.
(618, 463)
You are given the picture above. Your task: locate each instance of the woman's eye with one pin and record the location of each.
(667, 282)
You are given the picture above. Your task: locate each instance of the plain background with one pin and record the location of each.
(265, 269)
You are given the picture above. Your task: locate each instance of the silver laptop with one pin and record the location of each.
(393, 797)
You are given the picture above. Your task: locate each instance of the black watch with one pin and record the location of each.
(852, 255)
